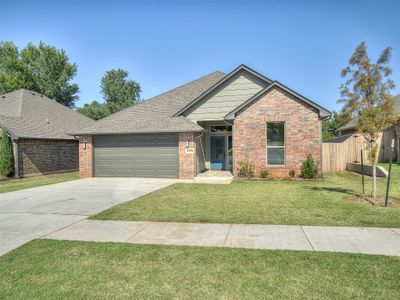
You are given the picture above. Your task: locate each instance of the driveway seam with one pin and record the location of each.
(140, 230)
(227, 235)
(44, 236)
(394, 231)
(302, 229)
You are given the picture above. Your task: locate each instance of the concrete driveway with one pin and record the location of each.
(32, 213)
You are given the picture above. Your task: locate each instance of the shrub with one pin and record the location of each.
(292, 173)
(309, 168)
(5, 155)
(246, 167)
(264, 174)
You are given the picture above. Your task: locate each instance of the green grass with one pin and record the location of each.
(12, 184)
(266, 202)
(47, 269)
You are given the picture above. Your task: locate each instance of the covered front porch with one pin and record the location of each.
(215, 147)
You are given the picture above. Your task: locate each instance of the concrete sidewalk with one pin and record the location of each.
(383, 241)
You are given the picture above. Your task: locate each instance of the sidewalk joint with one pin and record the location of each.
(302, 229)
(227, 234)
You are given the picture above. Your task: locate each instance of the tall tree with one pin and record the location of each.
(366, 97)
(94, 110)
(119, 92)
(5, 155)
(43, 68)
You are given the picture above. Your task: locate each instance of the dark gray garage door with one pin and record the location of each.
(136, 156)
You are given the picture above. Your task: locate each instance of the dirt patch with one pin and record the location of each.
(379, 201)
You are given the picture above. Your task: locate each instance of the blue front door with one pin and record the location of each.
(217, 152)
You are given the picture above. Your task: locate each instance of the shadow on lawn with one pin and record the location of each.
(333, 189)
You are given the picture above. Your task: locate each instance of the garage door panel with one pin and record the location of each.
(137, 155)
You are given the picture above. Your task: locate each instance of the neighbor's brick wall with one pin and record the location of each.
(85, 156)
(302, 132)
(39, 157)
(187, 160)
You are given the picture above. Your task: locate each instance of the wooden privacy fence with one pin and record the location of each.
(337, 152)
(336, 155)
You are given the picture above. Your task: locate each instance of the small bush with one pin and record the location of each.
(264, 174)
(246, 167)
(5, 155)
(309, 168)
(292, 173)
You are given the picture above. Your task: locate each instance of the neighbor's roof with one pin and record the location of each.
(352, 124)
(28, 114)
(157, 113)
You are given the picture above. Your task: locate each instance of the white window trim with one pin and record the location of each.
(284, 145)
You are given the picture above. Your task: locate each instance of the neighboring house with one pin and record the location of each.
(209, 123)
(384, 143)
(38, 128)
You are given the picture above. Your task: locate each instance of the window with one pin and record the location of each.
(276, 143)
(220, 129)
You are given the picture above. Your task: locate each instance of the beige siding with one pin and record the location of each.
(226, 98)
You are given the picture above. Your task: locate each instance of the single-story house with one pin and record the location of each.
(38, 128)
(385, 140)
(207, 124)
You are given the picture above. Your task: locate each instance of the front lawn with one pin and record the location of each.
(271, 202)
(46, 269)
(13, 184)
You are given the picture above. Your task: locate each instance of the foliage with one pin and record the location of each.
(246, 167)
(309, 169)
(118, 91)
(330, 127)
(43, 69)
(94, 110)
(5, 155)
(367, 98)
(292, 173)
(264, 173)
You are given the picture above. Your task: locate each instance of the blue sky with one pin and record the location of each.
(163, 44)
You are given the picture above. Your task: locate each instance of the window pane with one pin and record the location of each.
(275, 134)
(276, 156)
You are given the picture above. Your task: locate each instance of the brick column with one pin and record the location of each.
(187, 156)
(85, 156)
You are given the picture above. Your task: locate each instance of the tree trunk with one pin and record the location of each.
(374, 181)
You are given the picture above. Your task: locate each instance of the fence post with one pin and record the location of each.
(390, 170)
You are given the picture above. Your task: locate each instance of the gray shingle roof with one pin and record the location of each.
(27, 114)
(157, 113)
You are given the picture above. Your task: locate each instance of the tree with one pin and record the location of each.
(118, 91)
(330, 127)
(43, 68)
(5, 155)
(94, 110)
(366, 97)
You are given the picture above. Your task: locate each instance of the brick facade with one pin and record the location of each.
(39, 157)
(187, 156)
(302, 132)
(85, 156)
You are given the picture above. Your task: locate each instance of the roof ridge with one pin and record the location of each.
(153, 98)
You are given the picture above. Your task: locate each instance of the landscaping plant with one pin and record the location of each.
(309, 169)
(366, 97)
(264, 174)
(5, 155)
(246, 167)
(292, 173)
